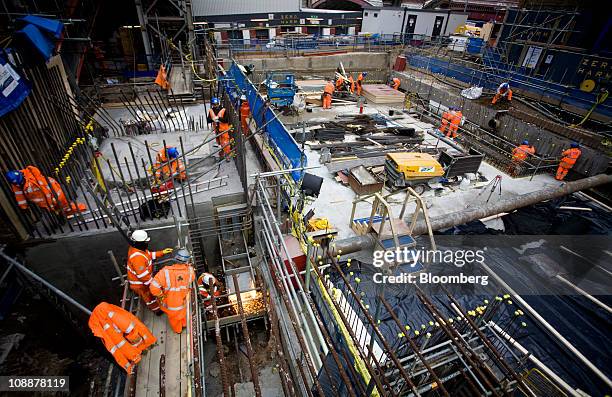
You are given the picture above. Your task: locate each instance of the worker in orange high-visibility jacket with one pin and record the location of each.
(520, 153)
(455, 120)
(140, 267)
(360, 78)
(245, 113)
(503, 91)
(326, 97)
(217, 116)
(208, 286)
(395, 83)
(162, 78)
(168, 165)
(446, 116)
(352, 83)
(568, 160)
(30, 186)
(123, 335)
(172, 285)
(340, 83)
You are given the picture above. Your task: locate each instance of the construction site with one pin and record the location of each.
(305, 198)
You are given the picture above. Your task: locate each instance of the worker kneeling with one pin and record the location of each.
(503, 91)
(168, 165)
(208, 287)
(568, 160)
(30, 186)
(172, 285)
(123, 335)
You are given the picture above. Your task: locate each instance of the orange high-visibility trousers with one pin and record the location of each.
(224, 139)
(327, 100)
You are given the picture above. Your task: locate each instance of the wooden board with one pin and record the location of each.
(381, 93)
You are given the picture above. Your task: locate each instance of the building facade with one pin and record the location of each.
(412, 21)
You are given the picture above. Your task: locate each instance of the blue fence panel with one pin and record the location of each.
(285, 147)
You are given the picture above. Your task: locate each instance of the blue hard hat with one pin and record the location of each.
(364, 74)
(505, 85)
(575, 144)
(214, 100)
(525, 142)
(173, 152)
(15, 177)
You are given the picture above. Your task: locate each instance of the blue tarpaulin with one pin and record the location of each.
(13, 88)
(285, 147)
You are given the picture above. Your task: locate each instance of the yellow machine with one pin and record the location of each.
(412, 169)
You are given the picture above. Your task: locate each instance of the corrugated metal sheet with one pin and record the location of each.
(201, 8)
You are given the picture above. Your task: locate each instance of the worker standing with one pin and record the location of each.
(208, 287)
(171, 285)
(326, 97)
(140, 267)
(352, 83)
(395, 83)
(168, 165)
(503, 91)
(217, 115)
(30, 186)
(520, 153)
(122, 333)
(568, 160)
(360, 78)
(455, 120)
(245, 113)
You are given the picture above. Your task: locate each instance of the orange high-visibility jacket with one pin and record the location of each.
(207, 283)
(171, 286)
(245, 112)
(339, 83)
(162, 78)
(36, 190)
(140, 266)
(352, 81)
(123, 335)
(520, 153)
(569, 157)
(329, 88)
(222, 124)
(163, 169)
(396, 83)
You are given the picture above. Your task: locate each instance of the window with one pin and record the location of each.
(375, 15)
(366, 13)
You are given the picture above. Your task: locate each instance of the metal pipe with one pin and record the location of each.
(358, 243)
(45, 282)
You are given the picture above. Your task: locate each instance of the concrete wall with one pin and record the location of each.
(321, 65)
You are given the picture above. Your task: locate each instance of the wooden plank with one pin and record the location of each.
(381, 93)
(184, 369)
(142, 376)
(173, 366)
(158, 328)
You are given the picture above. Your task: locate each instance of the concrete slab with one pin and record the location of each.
(335, 200)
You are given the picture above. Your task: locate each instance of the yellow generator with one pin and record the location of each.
(412, 169)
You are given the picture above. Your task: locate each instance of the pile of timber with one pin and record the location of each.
(381, 93)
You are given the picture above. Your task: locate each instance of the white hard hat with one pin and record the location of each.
(140, 236)
(243, 97)
(182, 255)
